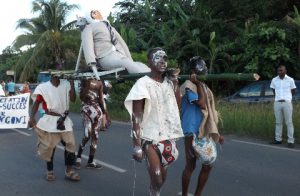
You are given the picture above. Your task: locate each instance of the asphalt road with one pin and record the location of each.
(245, 167)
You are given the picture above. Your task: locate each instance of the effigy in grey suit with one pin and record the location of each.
(102, 43)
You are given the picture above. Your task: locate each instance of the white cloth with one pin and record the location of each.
(2, 93)
(283, 87)
(97, 44)
(57, 100)
(116, 60)
(161, 120)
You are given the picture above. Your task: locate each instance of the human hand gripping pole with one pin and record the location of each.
(193, 78)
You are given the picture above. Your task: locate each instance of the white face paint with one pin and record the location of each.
(201, 67)
(159, 59)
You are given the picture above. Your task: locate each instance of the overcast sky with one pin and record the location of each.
(13, 10)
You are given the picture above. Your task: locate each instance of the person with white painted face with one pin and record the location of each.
(199, 119)
(153, 105)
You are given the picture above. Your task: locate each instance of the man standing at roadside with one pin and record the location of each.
(283, 87)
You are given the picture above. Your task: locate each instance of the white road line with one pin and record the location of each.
(189, 194)
(21, 132)
(265, 145)
(115, 168)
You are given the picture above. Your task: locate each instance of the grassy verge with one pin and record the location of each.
(239, 119)
(76, 106)
(254, 120)
(119, 113)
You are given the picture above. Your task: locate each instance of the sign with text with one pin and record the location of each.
(10, 72)
(14, 111)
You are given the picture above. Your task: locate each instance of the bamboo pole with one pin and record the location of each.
(225, 76)
(208, 77)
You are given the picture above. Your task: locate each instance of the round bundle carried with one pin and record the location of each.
(205, 149)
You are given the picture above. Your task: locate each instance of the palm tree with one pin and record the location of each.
(44, 34)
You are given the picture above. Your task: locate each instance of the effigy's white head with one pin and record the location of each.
(93, 15)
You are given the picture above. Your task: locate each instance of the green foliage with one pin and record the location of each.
(140, 57)
(216, 31)
(45, 37)
(8, 62)
(75, 106)
(265, 48)
(129, 35)
(119, 114)
(117, 96)
(232, 36)
(119, 92)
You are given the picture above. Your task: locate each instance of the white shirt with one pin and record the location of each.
(2, 93)
(283, 87)
(57, 100)
(161, 120)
